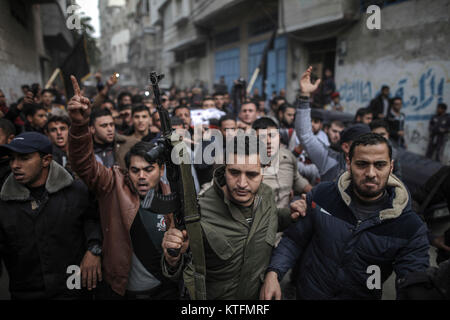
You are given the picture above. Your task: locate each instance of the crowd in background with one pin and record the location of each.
(119, 120)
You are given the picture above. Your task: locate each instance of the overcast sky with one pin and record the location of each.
(90, 8)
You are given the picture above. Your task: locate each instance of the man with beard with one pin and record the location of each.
(355, 233)
(333, 132)
(239, 220)
(132, 232)
(109, 148)
(317, 126)
(363, 115)
(286, 116)
(333, 136)
(330, 163)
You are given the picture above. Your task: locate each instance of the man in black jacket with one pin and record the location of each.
(438, 127)
(47, 225)
(380, 104)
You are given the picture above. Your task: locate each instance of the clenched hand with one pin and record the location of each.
(298, 208)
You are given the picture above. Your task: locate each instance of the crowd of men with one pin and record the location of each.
(80, 188)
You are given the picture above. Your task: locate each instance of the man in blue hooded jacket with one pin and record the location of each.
(355, 233)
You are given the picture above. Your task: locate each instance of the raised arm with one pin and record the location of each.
(103, 93)
(317, 151)
(97, 177)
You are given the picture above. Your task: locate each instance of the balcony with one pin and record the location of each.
(302, 15)
(54, 29)
(207, 13)
(176, 39)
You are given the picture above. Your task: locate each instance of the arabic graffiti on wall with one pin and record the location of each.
(420, 85)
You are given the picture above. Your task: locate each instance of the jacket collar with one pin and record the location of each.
(399, 201)
(58, 179)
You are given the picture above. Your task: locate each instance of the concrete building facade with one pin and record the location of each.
(130, 42)
(34, 40)
(203, 40)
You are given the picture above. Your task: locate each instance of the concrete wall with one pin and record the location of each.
(19, 60)
(410, 54)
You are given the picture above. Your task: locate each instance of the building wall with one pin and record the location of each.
(412, 61)
(19, 58)
(186, 73)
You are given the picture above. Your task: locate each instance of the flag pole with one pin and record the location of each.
(52, 78)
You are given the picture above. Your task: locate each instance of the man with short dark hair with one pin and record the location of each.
(127, 119)
(109, 147)
(184, 113)
(108, 104)
(286, 178)
(132, 231)
(141, 124)
(208, 103)
(47, 98)
(239, 220)
(124, 98)
(247, 115)
(357, 230)
(227, 126)
(36, 117)
(438, 127)
(275, 104)
(396, 121)
(286, 116)
(363, 115)
(57, 130)
(220, 102)
(317, 126)
(47, 224)
(380, 104)
(333, 132)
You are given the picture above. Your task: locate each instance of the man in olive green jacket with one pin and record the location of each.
(239, 221)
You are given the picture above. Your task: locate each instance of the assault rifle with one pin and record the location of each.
(183, 198)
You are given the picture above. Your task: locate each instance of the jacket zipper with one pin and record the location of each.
(357, 226)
